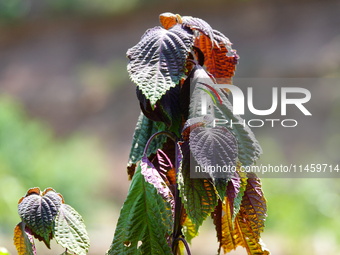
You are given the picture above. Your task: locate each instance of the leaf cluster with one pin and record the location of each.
(45, 216)
(175, 66)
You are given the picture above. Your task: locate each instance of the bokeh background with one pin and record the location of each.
(68, 109)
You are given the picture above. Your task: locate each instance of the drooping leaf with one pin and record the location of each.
(38, 213)
(51, 194)
(70, 231)
(198, 194)
(157, 62)
(23, 240)
(227, 235)
(145, 221)
(153, 177)
(251, 241)
(145, 128)
(215, 149)
(245, 230)
(254, 204)
(249, 221)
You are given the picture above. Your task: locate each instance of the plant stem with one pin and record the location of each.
(166, 133)
(177, 230)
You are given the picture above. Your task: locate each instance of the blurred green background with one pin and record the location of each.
(68, 109)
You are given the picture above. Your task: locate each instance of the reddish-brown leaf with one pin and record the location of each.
(254, 204)
(244, 231)
(219, 62)
(251, 216)
(168, 19)
(228, 236)
(251, 241)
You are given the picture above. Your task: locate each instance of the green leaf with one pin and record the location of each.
(70, 232)
(145, 221)
(38, 213)
(198, 195)
(190, 230)
(145, 128)
(157, 62)
(23, 240)
(221, 187)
